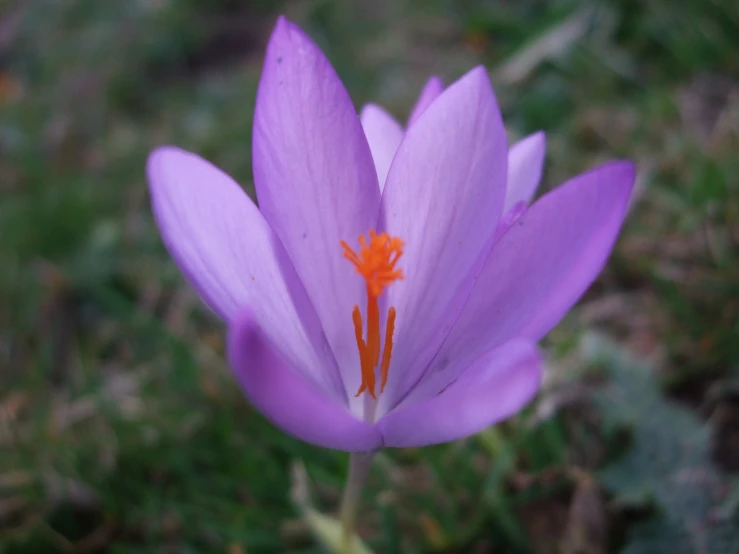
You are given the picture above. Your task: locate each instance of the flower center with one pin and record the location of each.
(375, 262)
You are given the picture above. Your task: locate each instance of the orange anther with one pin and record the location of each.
(368, 371)
(388, 350)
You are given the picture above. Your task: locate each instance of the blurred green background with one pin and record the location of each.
(120, 427)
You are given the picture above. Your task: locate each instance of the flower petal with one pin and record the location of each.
(228, 252)
(443, 197)
(542, 264)
(492, 389)
(315, 180)
(431, 91)
(383, 135)
(287, 398)
(525, 164)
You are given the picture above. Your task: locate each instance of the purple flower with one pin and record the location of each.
(426, 331)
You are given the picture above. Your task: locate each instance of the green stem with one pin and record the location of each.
(359, 463)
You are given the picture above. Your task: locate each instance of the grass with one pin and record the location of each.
(120, 427)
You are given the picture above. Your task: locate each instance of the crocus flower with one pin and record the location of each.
(391, 286)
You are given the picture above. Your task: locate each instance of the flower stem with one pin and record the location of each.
(359, 463)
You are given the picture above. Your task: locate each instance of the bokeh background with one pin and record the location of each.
(121, 429)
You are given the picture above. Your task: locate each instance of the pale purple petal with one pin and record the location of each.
(525, 165)
(542, 265)
(492, 389)
(431, 91)
(443, 197)
(315, 180)
(230, 255)
(287, 398)
(383, 135)
(510, 217)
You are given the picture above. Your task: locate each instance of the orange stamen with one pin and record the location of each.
(375, 262)
(388, 351)
(368, 374)
(373, 328)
